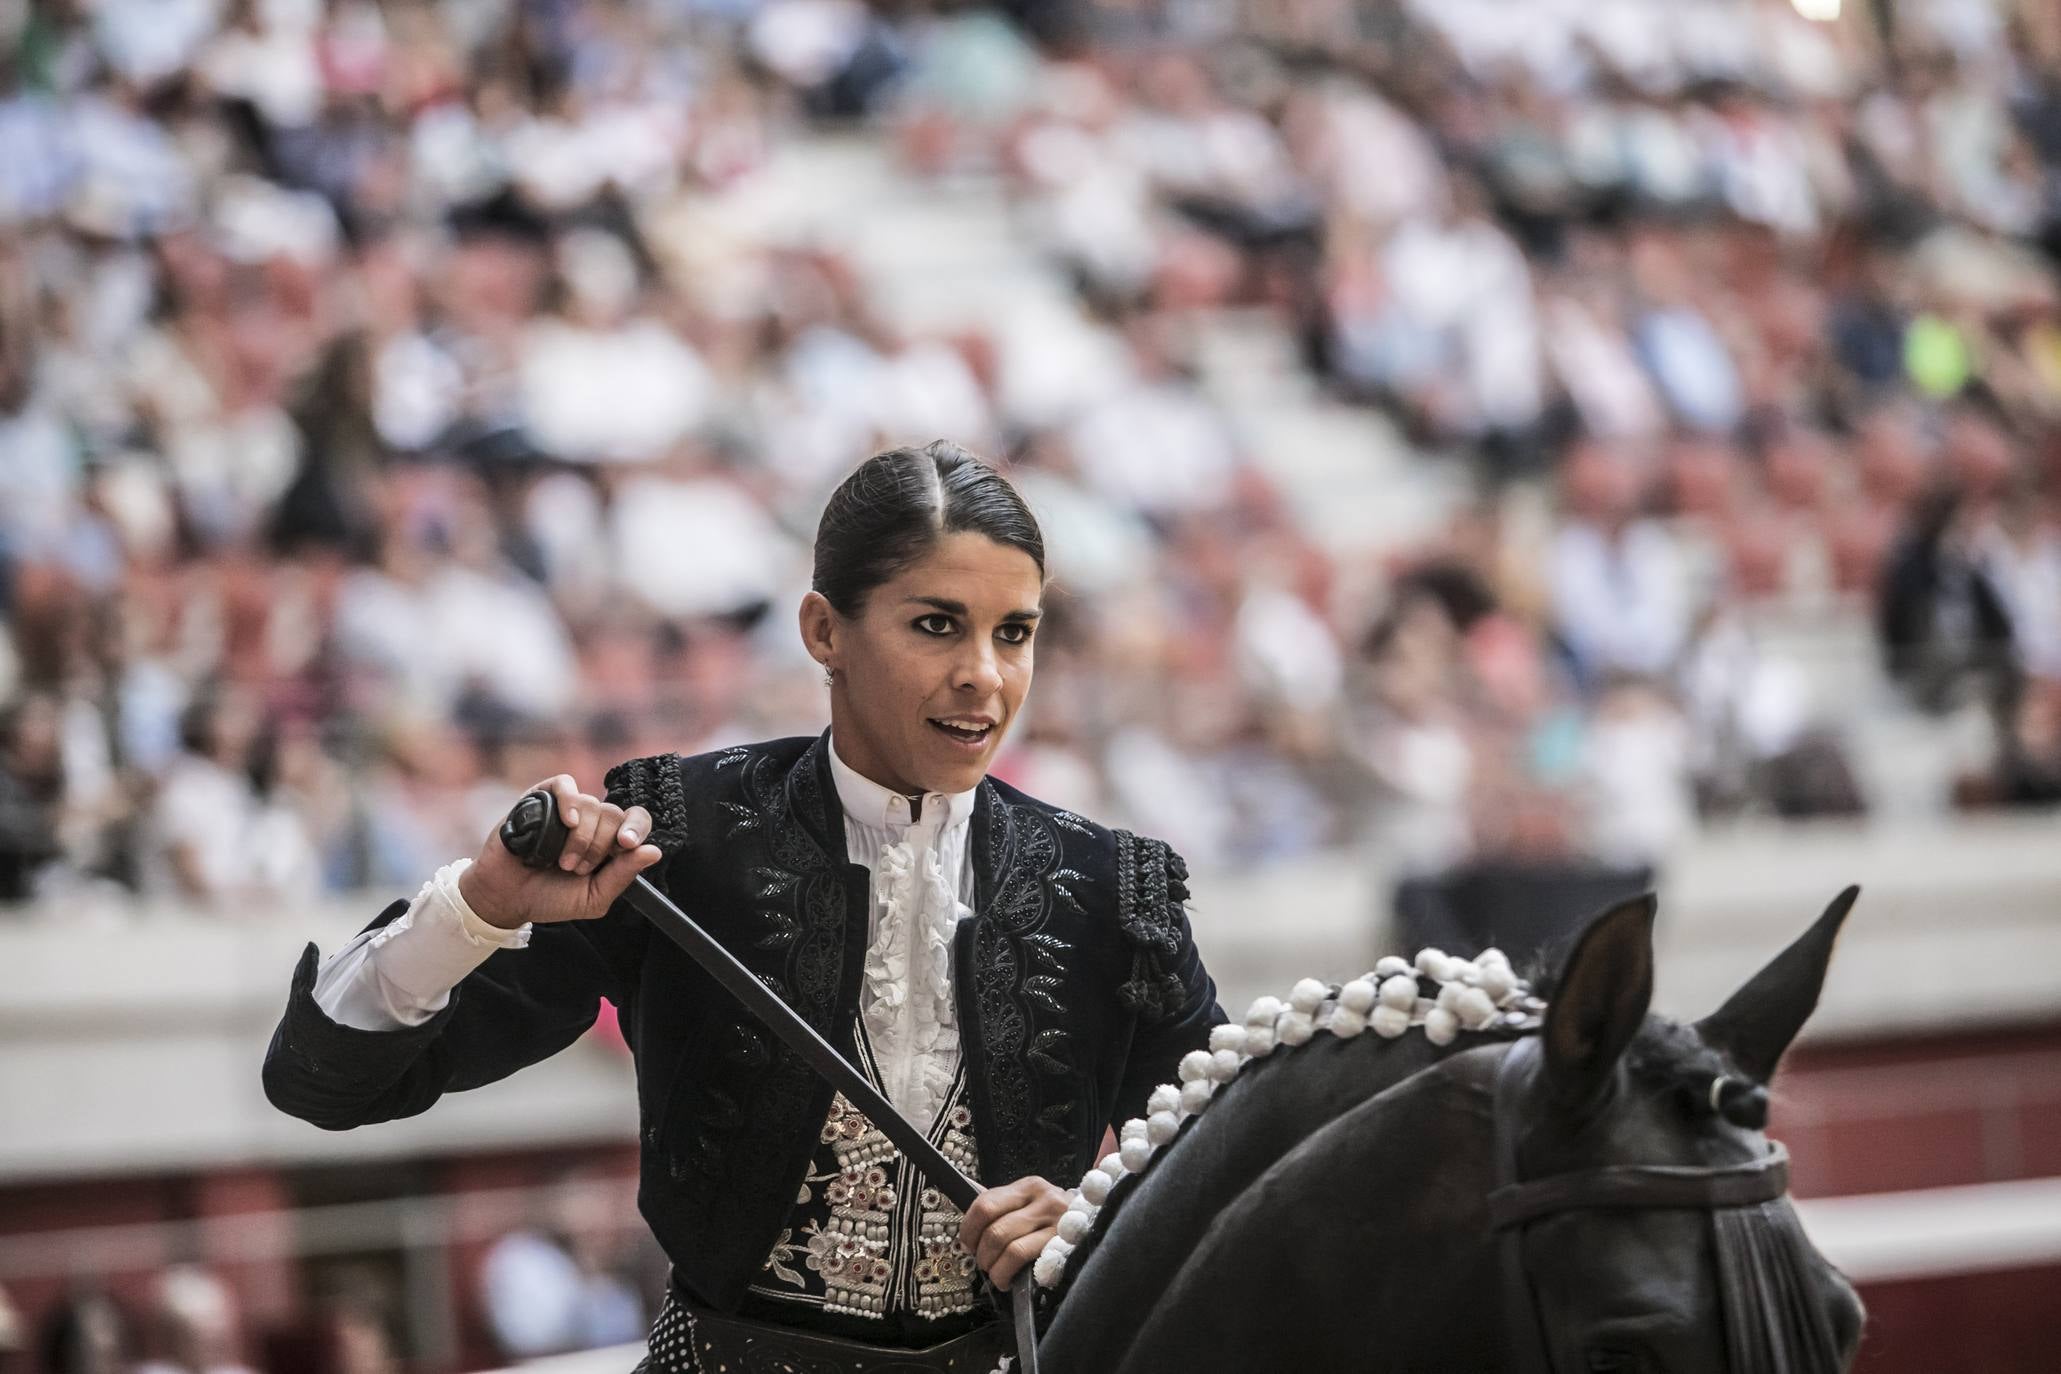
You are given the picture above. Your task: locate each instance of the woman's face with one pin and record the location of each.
(932, 671)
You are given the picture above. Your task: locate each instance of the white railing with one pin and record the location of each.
(165, 1020)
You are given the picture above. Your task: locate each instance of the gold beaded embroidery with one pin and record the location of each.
(877, 1249)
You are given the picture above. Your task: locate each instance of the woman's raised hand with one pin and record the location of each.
(605, 849)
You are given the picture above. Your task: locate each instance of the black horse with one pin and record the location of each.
(1510, 1184)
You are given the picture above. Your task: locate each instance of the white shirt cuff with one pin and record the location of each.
(428, 951)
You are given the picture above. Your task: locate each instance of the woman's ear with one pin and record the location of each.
(819, 628)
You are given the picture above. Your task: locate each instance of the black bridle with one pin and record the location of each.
(1758, 1265)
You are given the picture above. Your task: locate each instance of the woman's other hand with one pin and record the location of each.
(1007, 1227)
(604, 851)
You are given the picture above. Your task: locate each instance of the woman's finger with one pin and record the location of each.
(613, 878)
(582, 837)
(636, 828)
(991, 1206)
(602, 843)
(1023, 1250)
(1007, 1230)
(566, 793)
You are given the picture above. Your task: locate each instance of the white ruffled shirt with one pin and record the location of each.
(402, 974)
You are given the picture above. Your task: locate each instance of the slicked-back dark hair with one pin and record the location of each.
(892, 511)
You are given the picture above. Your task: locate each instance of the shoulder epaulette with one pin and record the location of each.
(1152, 883)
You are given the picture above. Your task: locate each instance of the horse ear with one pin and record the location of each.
(1755, 1025)
(1600, 1001)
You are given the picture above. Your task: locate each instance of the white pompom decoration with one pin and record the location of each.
(1390, 965)
(1095, 1186)
(1449, 995)
(1434, 963)
(1164, 1098)
(1389, 1022)
(1399, 992)
(1475, 1009)
(1080, 1203)
(1136, 1153)
(1358, 995)
(1224, 1065)
(1308, 995)
(1113, 1165)
(1259, 1043)
(1441, 1026)
(1263, 1012)
(1160, 1128)
(1498, 982)
(1464, 971)
(1073, 1226)
(1230, 1038)
(1195, 1096)
(1050, 1266)
(1195, 1064)
(1492, 957)
(1345, 1023)
(1294, 1028)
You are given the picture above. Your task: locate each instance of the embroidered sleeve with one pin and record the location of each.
(654, 783)
(1152, 883)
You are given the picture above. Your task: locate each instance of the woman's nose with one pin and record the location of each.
(980, 672)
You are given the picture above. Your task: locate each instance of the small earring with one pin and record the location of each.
(830, 677)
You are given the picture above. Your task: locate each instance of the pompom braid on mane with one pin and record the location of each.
(1443, 995)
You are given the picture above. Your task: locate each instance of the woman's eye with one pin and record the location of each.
(937, 624)
(1015, 634)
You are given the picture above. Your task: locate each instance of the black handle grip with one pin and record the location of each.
(533, 832)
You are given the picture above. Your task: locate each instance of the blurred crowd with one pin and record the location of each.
(578, 1272)
(401, 401)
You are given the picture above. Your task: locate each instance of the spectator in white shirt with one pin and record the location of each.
(1619, 588)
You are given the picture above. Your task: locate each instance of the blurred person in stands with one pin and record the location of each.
(891, 891)
(214, 832)
(86, 1333)
(2029, 766)
(2020, 558)
(1618, 580)
(1415, 741)
(1942, 623)
(14, 1337)
(31, 794)
(560, 1284)
(190, 1326)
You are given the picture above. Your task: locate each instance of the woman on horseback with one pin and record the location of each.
(1014, 978)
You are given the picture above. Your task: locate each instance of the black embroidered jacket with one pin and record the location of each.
(1079, 990)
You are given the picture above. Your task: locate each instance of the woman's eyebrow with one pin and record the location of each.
(958, 608)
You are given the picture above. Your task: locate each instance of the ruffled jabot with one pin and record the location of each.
(906, 999)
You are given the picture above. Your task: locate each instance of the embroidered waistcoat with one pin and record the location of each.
(1077, 981)
(872, 1247)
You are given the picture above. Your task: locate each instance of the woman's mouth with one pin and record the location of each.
(970, 733)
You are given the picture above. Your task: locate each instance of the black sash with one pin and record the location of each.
(688, 1339)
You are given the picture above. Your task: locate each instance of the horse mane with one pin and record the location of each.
(1454, 1002)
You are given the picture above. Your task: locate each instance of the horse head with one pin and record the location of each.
(1464, 1176)
(1656, 1233)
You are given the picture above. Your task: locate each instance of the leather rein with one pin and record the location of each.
(1517, 1202)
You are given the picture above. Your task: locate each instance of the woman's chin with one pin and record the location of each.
(955, 768)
